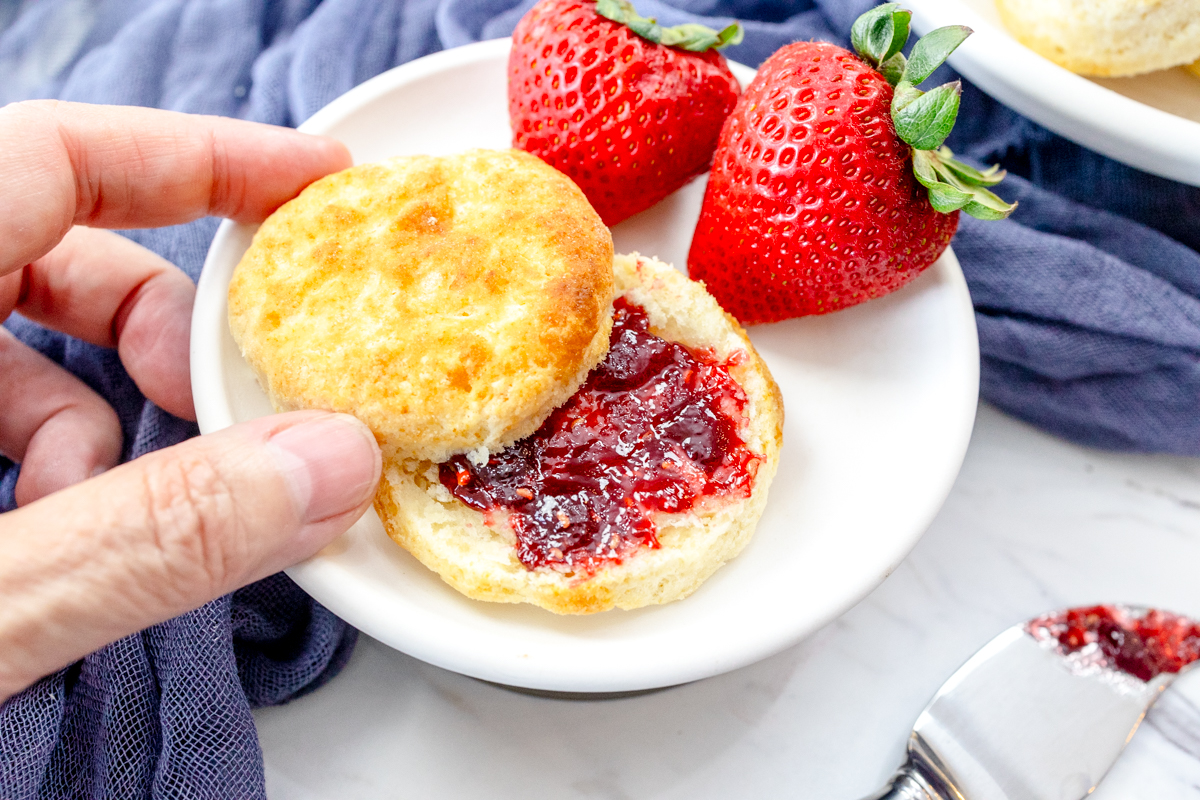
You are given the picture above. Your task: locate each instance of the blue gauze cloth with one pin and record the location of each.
(1087, 304)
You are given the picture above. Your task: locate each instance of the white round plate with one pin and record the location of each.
(1151, 121)
(880, 401)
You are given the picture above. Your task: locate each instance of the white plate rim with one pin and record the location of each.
(425, 642)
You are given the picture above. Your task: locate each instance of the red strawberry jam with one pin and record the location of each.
(655, 428)
(1144, 646)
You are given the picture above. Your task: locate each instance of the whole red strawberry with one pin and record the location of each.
(815, 201)
(629, 119)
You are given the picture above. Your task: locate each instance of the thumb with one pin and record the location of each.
(172, 530)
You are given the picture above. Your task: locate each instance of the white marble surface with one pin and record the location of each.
(1032, 524)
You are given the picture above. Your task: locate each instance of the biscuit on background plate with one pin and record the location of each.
(450, 303)
(1107, 38)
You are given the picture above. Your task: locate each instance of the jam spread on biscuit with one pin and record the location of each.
(655, 428)
(1142, 646)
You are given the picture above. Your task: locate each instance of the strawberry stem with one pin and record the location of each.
(924, 119)
(689, 36)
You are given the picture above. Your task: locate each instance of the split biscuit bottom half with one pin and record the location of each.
(480, 559)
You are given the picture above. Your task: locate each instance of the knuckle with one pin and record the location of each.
(229, 188)
(191, 521)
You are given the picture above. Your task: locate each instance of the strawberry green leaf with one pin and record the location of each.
(932, 50)
(698, 38)
(951, 185)
(989, 207)
(923, 166)
(871, 34)
(905, 93)
(893, 69)
(925, 121)
(690, 36)
(988, 177)
(946, 198)
(881, 33)
(903, 24)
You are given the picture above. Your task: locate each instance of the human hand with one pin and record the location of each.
(169, 531)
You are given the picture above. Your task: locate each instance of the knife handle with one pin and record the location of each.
(907, 784)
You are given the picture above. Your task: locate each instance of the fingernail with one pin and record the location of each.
(331, 462)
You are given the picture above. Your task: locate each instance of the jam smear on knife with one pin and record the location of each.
(655, 428)
(1142, 646)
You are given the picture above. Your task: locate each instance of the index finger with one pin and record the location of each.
(63, 164)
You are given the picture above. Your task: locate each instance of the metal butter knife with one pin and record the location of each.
(1023, 720)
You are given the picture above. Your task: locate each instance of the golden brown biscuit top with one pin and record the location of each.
(449, 302)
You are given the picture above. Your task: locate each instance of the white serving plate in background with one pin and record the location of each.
(880, 401)
(1151, 121)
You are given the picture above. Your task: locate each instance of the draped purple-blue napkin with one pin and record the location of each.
(1088, 304)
